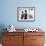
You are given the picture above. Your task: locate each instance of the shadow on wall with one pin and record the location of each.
(2, 26)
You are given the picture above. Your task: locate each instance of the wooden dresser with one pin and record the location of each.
(23, 38)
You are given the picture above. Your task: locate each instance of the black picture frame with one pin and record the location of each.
(25, 14)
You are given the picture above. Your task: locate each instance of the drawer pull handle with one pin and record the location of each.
(11, 38)
(33, 39)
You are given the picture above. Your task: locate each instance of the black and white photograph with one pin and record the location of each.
(26, 13)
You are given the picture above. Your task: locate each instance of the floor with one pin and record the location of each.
(0, 44)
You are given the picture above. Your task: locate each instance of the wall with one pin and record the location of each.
(8, 13)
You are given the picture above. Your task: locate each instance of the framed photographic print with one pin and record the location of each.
(26, 13)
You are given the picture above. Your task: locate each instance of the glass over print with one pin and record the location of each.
(26, 13)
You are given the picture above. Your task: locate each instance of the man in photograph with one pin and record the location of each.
(25, 14)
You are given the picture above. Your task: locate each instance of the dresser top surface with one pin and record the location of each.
(22, 30)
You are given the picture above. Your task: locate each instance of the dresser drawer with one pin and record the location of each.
(34, 33)
(37, 39)
(13, 44)
(37, 44)
(12, 39)
(13, 33)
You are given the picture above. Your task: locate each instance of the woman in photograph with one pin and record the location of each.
(22, 15)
